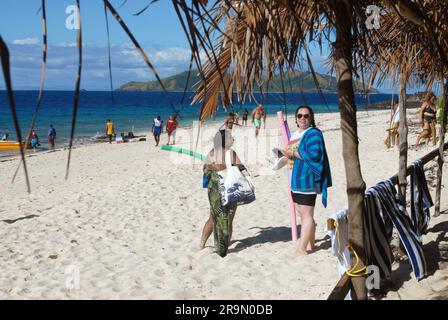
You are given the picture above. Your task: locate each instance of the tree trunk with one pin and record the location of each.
(441, 143)
(347, 108)
(403, 137)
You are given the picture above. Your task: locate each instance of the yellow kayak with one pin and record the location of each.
(10, 145)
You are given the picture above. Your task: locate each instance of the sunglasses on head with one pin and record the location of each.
(305, 116)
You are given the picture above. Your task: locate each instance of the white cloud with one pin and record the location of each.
(62, 63)
(171, 54)
(66, 45)
(133, 53)
(26, 41)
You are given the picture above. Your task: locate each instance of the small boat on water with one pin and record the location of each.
(11, 145)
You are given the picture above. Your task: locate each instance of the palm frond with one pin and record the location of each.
(77, 87)
(4, 55)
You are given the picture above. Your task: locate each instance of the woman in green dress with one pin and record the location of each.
(221, 217)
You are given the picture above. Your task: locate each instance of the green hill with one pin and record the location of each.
(293, 82)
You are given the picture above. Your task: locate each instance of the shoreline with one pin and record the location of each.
(85, 140)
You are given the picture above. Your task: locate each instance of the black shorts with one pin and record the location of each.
(304, 199)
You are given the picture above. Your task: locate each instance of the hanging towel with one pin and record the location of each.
(394, 208)
(421, 199)
(339, 240)
(377, 233)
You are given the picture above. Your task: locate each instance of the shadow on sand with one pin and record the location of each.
(272, 235)
(436, 255)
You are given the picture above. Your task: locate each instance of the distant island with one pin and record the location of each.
(293, 82)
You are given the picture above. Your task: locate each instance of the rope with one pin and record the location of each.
(352, 272)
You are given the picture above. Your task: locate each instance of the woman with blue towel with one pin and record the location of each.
(310, 174)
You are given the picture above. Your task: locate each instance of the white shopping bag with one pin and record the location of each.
(236, 188)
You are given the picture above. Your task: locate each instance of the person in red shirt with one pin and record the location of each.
(171, 126)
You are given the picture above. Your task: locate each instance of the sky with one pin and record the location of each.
(157, 29)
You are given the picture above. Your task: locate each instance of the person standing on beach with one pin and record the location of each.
(392, 131)
(220, 221)
(51, 136)
(109, 130)
(310, 174)
(428, 119)
(245, 114)
(171, 126)
(157, 129)
(257, 115)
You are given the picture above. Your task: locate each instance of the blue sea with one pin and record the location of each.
(134, 110)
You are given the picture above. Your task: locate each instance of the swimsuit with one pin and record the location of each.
(429, 118)
(257, 123)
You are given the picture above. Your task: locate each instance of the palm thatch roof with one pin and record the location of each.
(257, 39)
(405, 45)
(260, 38)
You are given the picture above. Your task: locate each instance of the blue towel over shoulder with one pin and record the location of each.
(312, 172)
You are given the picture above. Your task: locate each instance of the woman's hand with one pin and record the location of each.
(288, 152)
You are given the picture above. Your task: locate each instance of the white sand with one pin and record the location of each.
(129, 220)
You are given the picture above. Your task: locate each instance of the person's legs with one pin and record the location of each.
(423, 135)
(169, 138)
(173, 134)
(206, 231)
(387, 140)
(231, 216)
(308, 230)
(156, 136)
(433, 133)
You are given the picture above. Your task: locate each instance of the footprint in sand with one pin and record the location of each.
(159, 273)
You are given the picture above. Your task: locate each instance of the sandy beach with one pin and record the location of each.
(129, 218)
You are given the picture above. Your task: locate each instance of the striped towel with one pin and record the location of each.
(377, 233)
(391, 205)
(421, 199)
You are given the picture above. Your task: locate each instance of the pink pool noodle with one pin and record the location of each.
(286, 135)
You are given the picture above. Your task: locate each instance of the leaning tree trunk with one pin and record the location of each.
(403, 137)
(441, 143)
(347, 108)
